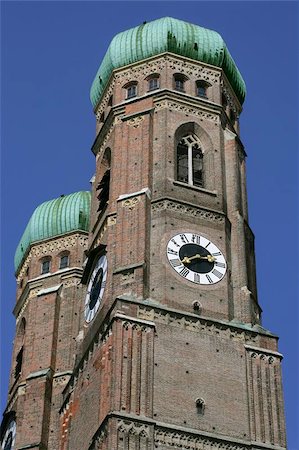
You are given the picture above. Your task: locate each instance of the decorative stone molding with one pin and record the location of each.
(180, 439)
(135, 121)
(56, 244)
(136, 326)
(184, 108)
(188, 210)
(111, 220)
(140, 71)
(135, 428)
(195, 70)
(230, 98)
(61, 379)
(194, 324)
(71, 282)
(130, 203)
(102, 147)
(104, 102)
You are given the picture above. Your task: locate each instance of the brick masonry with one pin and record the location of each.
(134, 376)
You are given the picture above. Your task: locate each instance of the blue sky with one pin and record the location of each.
(50, 54)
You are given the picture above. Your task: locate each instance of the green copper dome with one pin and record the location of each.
(167, 35)
(53, 218)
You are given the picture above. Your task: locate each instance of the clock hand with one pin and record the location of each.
(188, 259)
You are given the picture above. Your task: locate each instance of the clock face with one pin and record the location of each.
(9, 437)
(196, 258)
(95, 288)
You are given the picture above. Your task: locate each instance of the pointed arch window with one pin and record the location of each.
(190, 161)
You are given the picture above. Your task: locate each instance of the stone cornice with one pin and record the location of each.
(189, 209)
(34, 286)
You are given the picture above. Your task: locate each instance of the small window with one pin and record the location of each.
(102, 118)
(27, 272)
(64, 262)
(179, 84)
(200, 406)
(202, 88)
(46, 266)
(153, 83)
(132, 91)
(110, 102)
(224, 101)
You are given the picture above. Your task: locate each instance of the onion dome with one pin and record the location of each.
(166, 35)
(55, 218)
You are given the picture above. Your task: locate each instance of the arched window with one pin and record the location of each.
(45, 265)
(153, 82)
(64, 261)
(201, 88)
(131, 89)
(190, 161)
(179, 82)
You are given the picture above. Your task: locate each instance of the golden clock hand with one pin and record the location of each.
(188, 259)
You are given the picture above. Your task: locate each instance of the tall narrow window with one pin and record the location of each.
(19, 362)
(104, 183)
(190, 161)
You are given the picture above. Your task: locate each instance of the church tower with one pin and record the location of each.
(150, 337)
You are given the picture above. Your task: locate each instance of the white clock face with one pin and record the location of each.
(9, 437)
(95, 288)
(196, 259)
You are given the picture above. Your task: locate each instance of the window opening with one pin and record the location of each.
(64, 261)
(179, 84)
(46, 266)
(103, 187)
(190, 161)
(200, 406)
(132, 91)
(153, 83)
(19, 362)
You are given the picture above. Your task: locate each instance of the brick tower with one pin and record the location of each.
(145, 332)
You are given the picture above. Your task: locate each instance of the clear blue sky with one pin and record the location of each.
(50, 54)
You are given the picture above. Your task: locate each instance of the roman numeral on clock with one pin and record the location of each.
(219, 264)
(172, 252)
(216, 254)
(196, 239)
(217, 273)
(175, 262)
(209, 279)
(184, 272)
(184, 238)
(196, 277)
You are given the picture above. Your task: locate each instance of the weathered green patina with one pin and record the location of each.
(167, 35)
(53, 218)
